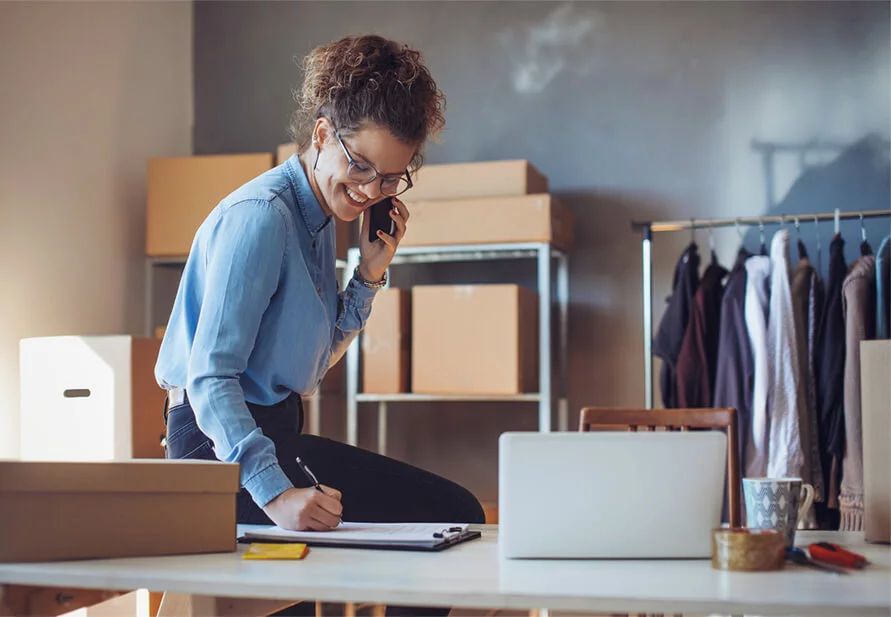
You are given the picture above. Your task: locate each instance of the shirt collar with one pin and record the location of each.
(307, 204)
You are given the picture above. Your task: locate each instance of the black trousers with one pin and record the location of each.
(375, 488)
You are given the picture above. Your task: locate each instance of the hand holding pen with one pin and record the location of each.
(317, 508)
(312, 478)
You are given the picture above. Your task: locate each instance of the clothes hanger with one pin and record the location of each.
(865, 248)
(711, 245)
(761, 235)
(802, 250)
(819, 247)
(743, 252)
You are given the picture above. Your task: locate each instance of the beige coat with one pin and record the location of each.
(859, 305)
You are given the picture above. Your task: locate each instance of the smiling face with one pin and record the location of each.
(372, 147)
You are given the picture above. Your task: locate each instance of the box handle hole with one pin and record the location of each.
(77, 393)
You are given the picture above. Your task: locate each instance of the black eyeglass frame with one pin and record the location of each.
(353, 164)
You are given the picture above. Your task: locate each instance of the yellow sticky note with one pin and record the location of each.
(262, 550)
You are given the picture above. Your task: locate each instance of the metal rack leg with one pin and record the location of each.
(544, 338)
(352, 360)
(315, 414)
(563, 302)
(648, 315)
(382, 428)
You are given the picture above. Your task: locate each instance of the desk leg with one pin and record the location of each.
(186, 605)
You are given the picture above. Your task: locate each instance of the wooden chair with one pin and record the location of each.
(678, 420)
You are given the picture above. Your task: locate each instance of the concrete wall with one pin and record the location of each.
(635, 110)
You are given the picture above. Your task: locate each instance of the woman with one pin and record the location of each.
(258, 318)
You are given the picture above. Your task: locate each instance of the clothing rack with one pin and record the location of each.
(648, 228)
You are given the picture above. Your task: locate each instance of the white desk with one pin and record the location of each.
(471, 575)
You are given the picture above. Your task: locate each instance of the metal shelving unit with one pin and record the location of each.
(551, 290)
(313, 402)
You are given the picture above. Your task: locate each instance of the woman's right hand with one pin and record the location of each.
(306, 509)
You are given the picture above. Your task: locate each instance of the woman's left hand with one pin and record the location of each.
(376, 256)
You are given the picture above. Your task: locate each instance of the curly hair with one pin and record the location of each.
(369, 79)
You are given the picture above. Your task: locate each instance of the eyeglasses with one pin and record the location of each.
(391, 184)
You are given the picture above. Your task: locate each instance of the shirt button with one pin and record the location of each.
(318, 290)
(314, 244)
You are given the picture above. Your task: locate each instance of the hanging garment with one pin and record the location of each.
(698, 357)
(807, 295)
(859, 305)
(673, 328)
(735, 373)
(785, 457)
(830, 372)
(757, 297)
(883, 289)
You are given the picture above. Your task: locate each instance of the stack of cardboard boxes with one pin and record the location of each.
(465, 339)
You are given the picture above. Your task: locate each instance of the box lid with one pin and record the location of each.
(131, 476)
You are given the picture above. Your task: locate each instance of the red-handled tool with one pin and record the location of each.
(827, 552)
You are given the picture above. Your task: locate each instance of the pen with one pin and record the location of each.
(310, 475)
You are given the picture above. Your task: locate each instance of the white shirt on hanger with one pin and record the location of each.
(785, 456)
(756, 305)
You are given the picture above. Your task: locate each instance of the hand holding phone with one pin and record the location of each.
(379, 214)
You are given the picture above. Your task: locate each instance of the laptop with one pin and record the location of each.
(610, 495)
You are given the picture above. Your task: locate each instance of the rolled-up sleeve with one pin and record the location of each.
(245, 255)
(353, 308)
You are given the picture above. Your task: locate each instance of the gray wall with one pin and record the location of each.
(90, 91)
(634, 110)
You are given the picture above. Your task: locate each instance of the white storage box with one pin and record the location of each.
(90, 398)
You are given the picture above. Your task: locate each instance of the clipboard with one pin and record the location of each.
(429, 537)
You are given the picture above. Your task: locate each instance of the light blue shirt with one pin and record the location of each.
(258, 316)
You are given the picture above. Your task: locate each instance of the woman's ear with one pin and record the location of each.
(320, 132)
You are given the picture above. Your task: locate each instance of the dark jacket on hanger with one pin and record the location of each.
(808, 297)
(830, 372)
(735, 373)
(883, 289)
(698, 358)
(670, 337)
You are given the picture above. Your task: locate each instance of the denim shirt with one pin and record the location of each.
(258, 316)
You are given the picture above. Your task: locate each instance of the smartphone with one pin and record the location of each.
(380, 219)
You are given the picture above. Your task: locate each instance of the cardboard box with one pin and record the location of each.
(474, 339)
(481, 179)
(334, 381)
(90, 398)
(54, 511)
(528, 218)
(875, 390)
(386, 343)
(183, 190)
(284, 152)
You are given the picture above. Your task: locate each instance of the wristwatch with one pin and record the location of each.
(378, 285)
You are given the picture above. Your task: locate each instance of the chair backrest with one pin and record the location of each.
(677, 420)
